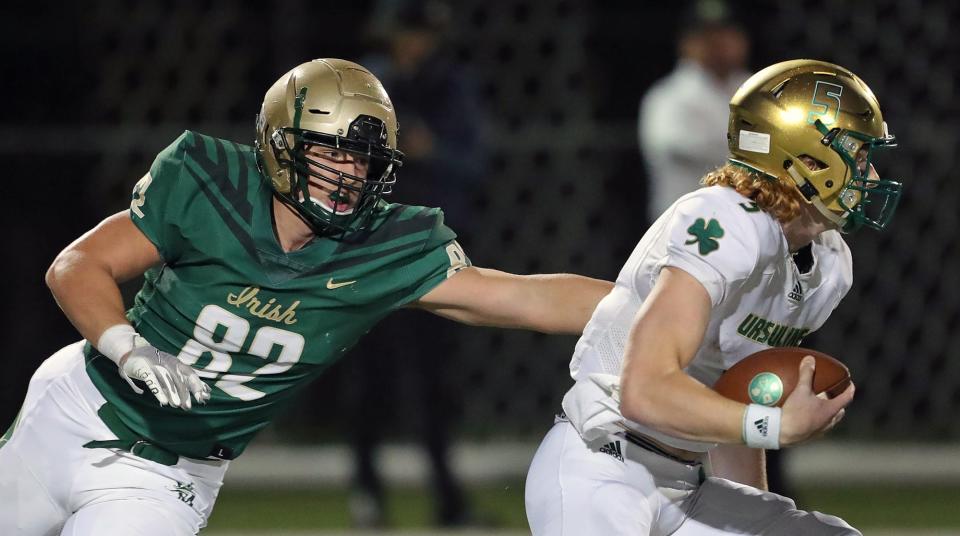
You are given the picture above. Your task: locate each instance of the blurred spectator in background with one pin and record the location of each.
(683, 121)
(683, 117)
(440, 133)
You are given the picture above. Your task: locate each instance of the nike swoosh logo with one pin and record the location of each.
(331, 285)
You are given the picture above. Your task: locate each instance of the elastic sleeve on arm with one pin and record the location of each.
(715, 242)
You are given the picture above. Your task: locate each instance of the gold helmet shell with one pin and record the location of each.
(333, 103)
(818, 110)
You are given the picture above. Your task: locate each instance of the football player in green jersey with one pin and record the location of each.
(262, 265)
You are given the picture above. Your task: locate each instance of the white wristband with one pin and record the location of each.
(117, 341)
(761, 427)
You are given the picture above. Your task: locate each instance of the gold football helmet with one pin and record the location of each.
(815, 109)
(336, 104)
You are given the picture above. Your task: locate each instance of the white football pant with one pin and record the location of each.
(50, 484)
(612, 487)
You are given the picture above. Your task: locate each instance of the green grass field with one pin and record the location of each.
(501, 507)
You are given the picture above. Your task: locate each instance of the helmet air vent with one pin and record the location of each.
(778, 89)
(318, 111)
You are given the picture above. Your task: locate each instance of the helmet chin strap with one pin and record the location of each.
(814, 199)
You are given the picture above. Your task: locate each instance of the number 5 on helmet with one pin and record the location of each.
(821, 111)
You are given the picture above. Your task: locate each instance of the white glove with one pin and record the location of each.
(169, 379)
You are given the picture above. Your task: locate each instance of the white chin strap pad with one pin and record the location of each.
(837, 219)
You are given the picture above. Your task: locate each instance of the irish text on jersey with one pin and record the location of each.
(269, 310)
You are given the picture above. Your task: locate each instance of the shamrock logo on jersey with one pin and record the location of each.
(706, 234)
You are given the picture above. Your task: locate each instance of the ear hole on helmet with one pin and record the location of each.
(812, 163)
(318, 111)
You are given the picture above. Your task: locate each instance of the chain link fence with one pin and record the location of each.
(561, 81)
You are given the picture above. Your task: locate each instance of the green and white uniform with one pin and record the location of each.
(759, 297)
(257, 324)
(589, 476)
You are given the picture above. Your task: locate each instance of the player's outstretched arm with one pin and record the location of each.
(549, 303)
(84, 280)
(655, 391)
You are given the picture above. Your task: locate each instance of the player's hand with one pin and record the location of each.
(807, 415)
(170, 381)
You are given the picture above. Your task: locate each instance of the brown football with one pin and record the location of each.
(769, 376)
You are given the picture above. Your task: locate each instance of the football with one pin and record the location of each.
(769, 376)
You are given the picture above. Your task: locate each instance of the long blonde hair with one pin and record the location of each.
(775, 197)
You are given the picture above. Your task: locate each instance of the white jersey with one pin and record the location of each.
(740, 255)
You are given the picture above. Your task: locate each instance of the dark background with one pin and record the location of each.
(92, 92)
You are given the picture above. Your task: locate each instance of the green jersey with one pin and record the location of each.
(255, 322)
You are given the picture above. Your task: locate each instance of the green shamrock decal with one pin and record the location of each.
(705, 234)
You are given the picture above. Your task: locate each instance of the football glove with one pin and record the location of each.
(170, 380)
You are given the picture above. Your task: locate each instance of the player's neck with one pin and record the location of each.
(291, 230)
(806, 227)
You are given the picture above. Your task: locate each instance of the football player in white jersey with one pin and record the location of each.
(753, 260)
